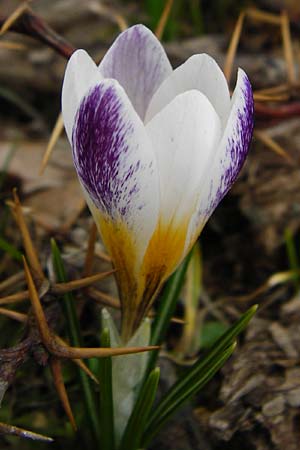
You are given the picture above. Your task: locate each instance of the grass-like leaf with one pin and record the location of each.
(106, 397)
(10, 249)
(292, 256)
(133, 433)
(76, 340)
(167, 305)
(201, 372)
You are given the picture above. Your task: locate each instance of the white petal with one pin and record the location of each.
(199, 72)
(229, 157)
(140, 64)
(81, 74)
(184, 136)
(115, 162)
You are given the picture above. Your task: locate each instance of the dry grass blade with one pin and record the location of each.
(231, 52)
(59, 288)
(288, 48)
(104, 299)
(79, 362)
(273, 281)
(280, 89)
(56, 132)
(163, 19)
(15, 431)
(85, 368)
(258, 97)
(263, 16)
(178, 320)
(55, 365)
(109, 13)
(13, 17)
(272, 145)
(19, 317)
(12, 280)
(106, 11)
(42, 324)
(15, 298)
(89, 258)
(8, 45)
(120, 21)
(64, 351)
(213, 308)
(31, 253)
(62, 288)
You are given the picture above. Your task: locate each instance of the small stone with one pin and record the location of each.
(274, 406)
(293, 398)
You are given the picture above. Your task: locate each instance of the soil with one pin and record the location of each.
(254, 402)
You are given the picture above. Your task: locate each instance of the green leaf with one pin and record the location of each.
(69, 309)
(133, 433)
(10, 249)
(292, 256)
(167, 305)
(73, 330)
(106, 397)
(200, 373)
(189, 343)
(210, 332)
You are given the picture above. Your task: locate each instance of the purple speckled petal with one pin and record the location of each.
(230, 155)
(140, 64)
(114, 159)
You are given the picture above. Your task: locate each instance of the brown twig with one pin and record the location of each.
(27, 241)
(62, 288)
(285, 111)
(20, 317)
(30, 24)
(59, 350)
(55, 365)
(6, 429)
(12, 18)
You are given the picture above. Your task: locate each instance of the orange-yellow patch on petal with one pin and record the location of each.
(139, 282)
(165, 248)
(164, 253)
(119, 243)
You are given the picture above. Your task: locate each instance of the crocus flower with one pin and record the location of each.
(155, 150)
